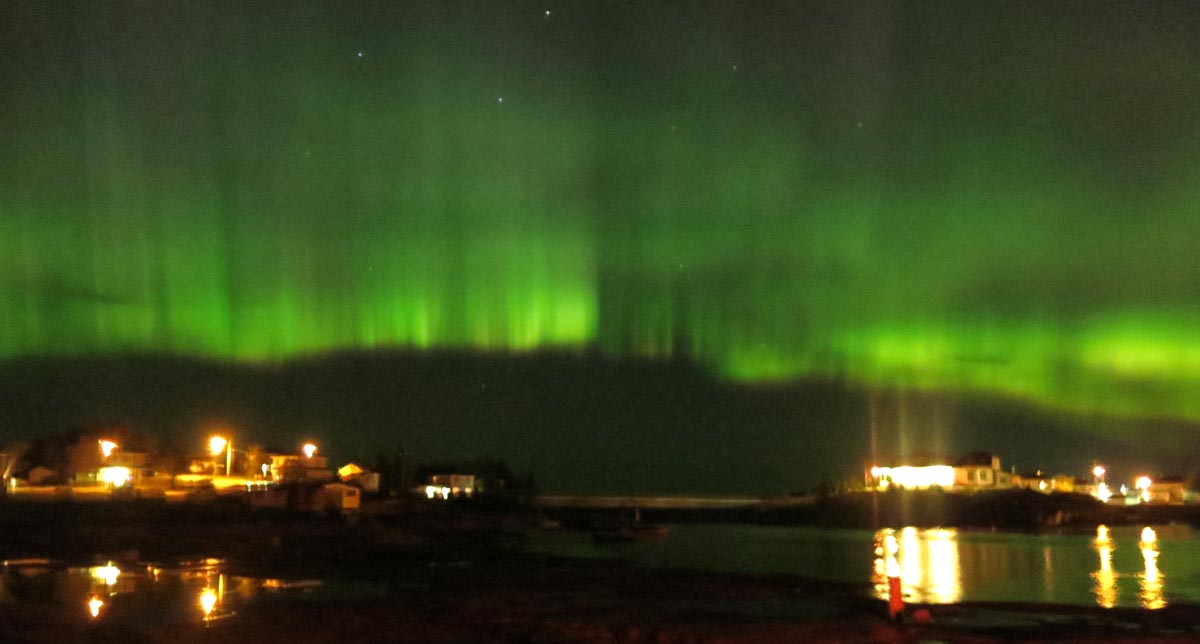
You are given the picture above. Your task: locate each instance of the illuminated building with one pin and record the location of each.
(974, 472)
(284, 468)
(114, 476)
(981, 470)
(1039, 481)
(446, 486)
(369, 481)
(1166, 489)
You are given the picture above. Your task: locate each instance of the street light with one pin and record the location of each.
(107, 447)
(218, 444)
(309, 450)
(1098, 472)
(1143, 483)
(208, 602)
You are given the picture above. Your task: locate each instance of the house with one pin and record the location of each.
(307, 496)
(977, 471)
(339, 497)
(283, 468)
(1039, 481)
(359, 475)
(981, 471)
(1167, 489)
(446, 486)
(117, 469)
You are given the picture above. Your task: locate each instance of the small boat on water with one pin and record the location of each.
(625, 531)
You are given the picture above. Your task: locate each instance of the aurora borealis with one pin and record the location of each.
(999, 198)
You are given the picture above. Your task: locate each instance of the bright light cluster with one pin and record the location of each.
(114, 476)
(94, 605)
(107, 573)
(208, 602)
(107, 447)
(908, 476)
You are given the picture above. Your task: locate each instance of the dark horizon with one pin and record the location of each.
(576, 422)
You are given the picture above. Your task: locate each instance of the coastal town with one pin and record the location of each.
(124, 465)
(119, 463)
(980, 471)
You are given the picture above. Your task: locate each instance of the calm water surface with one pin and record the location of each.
(1117, 567)
(195, 592)
(1124, 566)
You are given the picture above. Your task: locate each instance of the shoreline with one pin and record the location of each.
(451, 576)
(560, 600)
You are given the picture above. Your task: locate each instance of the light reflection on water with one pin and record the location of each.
(201, 591)
(1109, 567)
(1105, 579)
(927, 562)
(1150, 587)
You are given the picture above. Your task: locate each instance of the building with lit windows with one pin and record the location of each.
(1039, 481)
(977, 471)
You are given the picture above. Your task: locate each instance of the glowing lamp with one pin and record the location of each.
(107, 447)
(919, 477)
(114, 476)
(107, 573)
(208, 601)
(309, 450)
(217, 444)
(1098, 471)
(94, 605)
(1143, 483)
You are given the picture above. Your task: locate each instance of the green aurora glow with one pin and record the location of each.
(999, 198)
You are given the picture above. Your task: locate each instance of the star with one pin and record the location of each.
(547, 13)
(359, 54)
(500, 99)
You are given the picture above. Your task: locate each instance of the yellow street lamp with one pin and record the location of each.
(208, 602)
(94, 605)
(218, 444)
(1143, 483)
(309, 450)
(107, 447)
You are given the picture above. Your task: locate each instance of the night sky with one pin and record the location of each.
(997, 199)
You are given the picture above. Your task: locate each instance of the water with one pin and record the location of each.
(1124, 566)
(1116, 567)
(198, 592)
